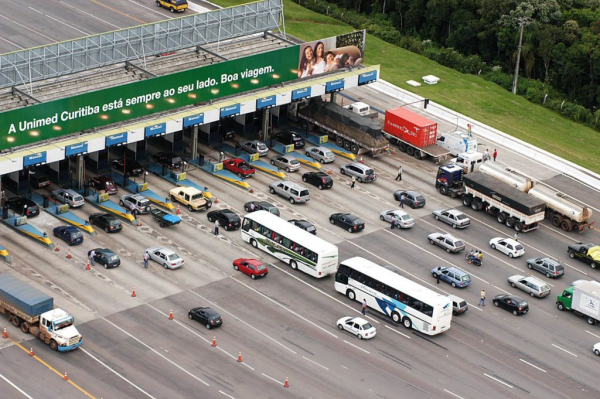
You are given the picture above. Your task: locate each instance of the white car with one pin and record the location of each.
(403, 219)
(255, 146)
(508, 246)
(596, 349)
(320, 154)
(166, 257)
(357, 326)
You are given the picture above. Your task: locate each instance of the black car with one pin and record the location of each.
(261, 206)
(288, 137)
(588, 253)
(168, 159)
(348, 221)
(132, 167)
(106, 221)
(23, 206)
(207, 316)
(38, 181)
(69, 234)
(512, 303)
(105, 257)
(228, 219)
(304, 225)
(411, 198)
(319, 179)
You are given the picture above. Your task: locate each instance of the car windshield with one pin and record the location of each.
(357, 222)
(78, 198)
(420, 198)
(144, 202)
(197, 197)
(112, 258)
(559, 267)
(545, 288)
(310, 228)
(462, 304)
(274, 211)
(261, 146)
(328, 154)
(213, 316)
(260, 267)
(461, 217)
(76, 235)
(519, 247)
(243, 166)
(406, 217)
(294, 162)
(303, 193)
(369, 172)
(459, 244)
(181, 2)
(465, 278)
(173, 257)
(113, 222)
(109, 184)
(367, 326)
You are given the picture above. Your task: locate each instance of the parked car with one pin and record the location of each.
(251, 267)
(239, 167)
(106, 221)
(596, 349)
(453, 217)
(38, 181)
(362, 172)
(68, 196)
(253, 206)
(226, 217)
(255, 146)
(166, 257)
(23, 206)
(106, 257)
(347, 221)
(320, 154)
(508, 246)
(548, 266)
(320, 179)
(402, 219)
(104, 183)
(588, 253)
(288, 137)
(207, 316)
(168, 159)
(304, 225)
(446, 241)
(531, 285)
(512, 303)
(131, 166)
(454, 276)
(286, 162)
(137, 201)
(357, 326)
(293, 192)
(411, 198)
(69, 234)
(459, 305)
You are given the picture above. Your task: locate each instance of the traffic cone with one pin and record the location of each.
(69, 254)
(5, 335)
(393, 151)
(56, 249)
(240, 357)
(88, 265)
(133, 293)
(216, 200)
(360, 160)
(139, 223)
(214, 344)
(65, 377)
(329, 171)
(287, 383)
(251, 190)
(31, 352)
(178, 210)
(171, 315)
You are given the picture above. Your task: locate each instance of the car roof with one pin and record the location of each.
(300, 221)
(457, 270)
(287, 156)
(166, 251)
(188, 190)
(358, 320)
(71, 229)
(251, 261)
(104, 251)
(264, 203)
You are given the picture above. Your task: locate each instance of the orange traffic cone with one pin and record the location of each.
(133, 293)
(360, 160)
(393, 151)
(329, 172)
(56, 249)
(251, 190)
(31, 352)
(5, 335)
(214, 340)
(216, 200)
(88, 265)
(287, 383)
(171, 315)
(178, 210)
(65, 377)
(69, 254)
(240, 357)
(139, 223)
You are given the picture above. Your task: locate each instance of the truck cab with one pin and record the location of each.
(469, 161)
(564, 300)
(191, 197)
(449, 180)
(359, 108)
(56, 326)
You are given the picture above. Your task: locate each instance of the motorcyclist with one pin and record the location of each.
(480, 258)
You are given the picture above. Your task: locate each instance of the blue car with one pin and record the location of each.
(69, 234)
(452, 275)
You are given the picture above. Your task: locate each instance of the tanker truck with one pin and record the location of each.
(34, 312)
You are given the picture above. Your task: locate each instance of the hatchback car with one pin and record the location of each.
(168, 159)
(304, 225)
(402, 220)
(70, 197)
(362, 172)
(512, 303)
(166, 257)
(255, 146)
(261, 206)
(106, 221)
(531, 285)
(131, 166)
(411, 198)
(320, 179)
(136, 201)
(508, 246)
(320, 154)
(226, 217)
(596, 349)
(286, 162)
(454, 276)
(288, 137)
(251, 267)
(38, 181)
(240, 167)
(453, 217)
(69, 234)
(347, 221)
(357, 326)
(293, 192)
(548, 266)
(105, 257)
(459, 305)
(104, 183)
(207, 316)
(23, 206)
(446, 241)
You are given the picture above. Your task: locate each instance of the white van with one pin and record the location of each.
(469, 161)
(457, 142)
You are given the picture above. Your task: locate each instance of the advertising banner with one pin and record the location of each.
(34, 159)
(155, 130)
(76, 149)
(193, 120)
(330, 54)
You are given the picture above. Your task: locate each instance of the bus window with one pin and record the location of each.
(247, 224)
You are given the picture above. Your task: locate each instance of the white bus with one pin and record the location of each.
(299, 248)
(395, 296)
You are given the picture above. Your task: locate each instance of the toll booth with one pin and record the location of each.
(114, 143)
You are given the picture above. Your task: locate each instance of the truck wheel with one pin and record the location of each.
(560, 306)
(158, 3)
(510, 222)
(53, 345)
(593, 265)
(402, 147)
(566, 225)
(518, 226)
(444, 190)
(501, 217)
(475, 204)
(556, 220)
(571, 255)
(354, 148)
(591, 321)
(172, 198)
(347, 145)
(467, 199)
(25, 327)
(410, 151)
(339, 141)
(190, 208)
(161, 224)
(418, 155)
(16, 321)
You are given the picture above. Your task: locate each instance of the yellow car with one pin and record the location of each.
(191, 197)
(173, 5)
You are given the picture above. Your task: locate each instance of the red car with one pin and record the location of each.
(103, 183)
(239, 167)
(251, 267)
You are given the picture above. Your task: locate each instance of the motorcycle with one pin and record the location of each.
(473, 258)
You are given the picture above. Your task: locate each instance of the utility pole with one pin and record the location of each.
(522, 24)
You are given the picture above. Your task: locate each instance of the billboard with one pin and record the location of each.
(327, 55)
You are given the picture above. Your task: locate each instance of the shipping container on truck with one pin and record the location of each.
(414, 134)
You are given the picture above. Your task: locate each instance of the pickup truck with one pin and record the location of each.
(588, 253)
(191, 197)
(239, 167)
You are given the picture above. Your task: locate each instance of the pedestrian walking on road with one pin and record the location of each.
(92, 255)
(216, 227)
(353, 181)
(486, 156)
(399, 175)
(495, 155)
(482, 298)
(402, 201)
(364, 307)
(516, 236)
(146, 258)
(134, 212)
(439, 274)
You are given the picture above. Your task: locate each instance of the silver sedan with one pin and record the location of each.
(401, 218)
(165, 257)
(453, 217)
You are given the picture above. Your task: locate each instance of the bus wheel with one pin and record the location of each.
(254, 243)
(396, 317)
(293, 265)
(407, 323)
(350, 294)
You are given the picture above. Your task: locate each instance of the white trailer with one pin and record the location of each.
(457, 142)
(583, 299)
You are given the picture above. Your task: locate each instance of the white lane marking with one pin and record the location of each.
(116, 373)
(11, 43)
(396, 331)
(90, 15)
(533, 365)
(597, 336)
(229, 396)
(198, 8)
(312, 361)
(243, 322)
(357, 347)
(59, 21)
(151, 9)
(564, 350)
(272, 379)
(15, 387)
(495, 379)
(453, 394)
(280, 305)
(28, 28)
(155, 351)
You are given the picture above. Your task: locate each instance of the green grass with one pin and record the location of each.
(466, 94)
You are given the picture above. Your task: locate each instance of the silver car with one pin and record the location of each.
(320, 154)
(453, 217)
(67, 196)
(165, 257)
(362, 172)
(548, 266)
(531, 285)
(446, 241)
(255, 146)
(402, 220)
(286, 162)
(137, 201)
(293, 192)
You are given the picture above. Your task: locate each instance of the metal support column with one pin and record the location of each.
(80, 172)
(266, 126)
(194, 146)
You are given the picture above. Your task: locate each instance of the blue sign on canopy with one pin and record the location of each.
(336, 85)
(230, 110)
(155, 130)
(34, 159)
(300, 94)
(367, 77)
(193, 120)
(116, 139)
(76, 149)
(266, 102)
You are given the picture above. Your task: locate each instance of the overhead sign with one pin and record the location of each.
(336, 85)
(266, 102)
(300, 94)
(368, 77)
(155, 130)
(116, 139)
(35, 159)
(193, 120)
(76, 149)
(230, 110)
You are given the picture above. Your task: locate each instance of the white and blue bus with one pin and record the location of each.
(401, 299)
(294, 246)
